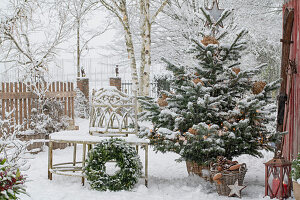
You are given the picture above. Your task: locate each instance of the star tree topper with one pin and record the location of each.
(215, 12)
(236, 189)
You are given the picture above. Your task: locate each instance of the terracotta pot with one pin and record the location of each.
(296, 189)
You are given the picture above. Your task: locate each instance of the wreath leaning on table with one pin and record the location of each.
(126, 159)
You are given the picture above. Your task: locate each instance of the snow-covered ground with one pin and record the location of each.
(168, 180)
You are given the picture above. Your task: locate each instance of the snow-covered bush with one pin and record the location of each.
(296, 169)
(11, 148)
(11, 181)
(81, 105)
(49, 118)
(11, 159)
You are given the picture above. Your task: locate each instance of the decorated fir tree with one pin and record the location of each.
(215, 108)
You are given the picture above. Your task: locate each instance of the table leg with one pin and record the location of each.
(74, 154)
(146, 165)
(83, 161)
(137, 149)
(89, 147)
(50, 160)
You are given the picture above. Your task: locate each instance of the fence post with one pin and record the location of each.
(115, 82)
(83, 86)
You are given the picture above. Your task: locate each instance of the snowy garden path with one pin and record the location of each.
(168, 180)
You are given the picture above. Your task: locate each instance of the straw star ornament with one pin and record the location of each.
(215, 12)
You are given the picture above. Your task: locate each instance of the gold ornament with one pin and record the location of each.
(258, 87)
(209, 40)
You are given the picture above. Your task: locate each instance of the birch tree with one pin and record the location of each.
(147, 22)
(119, 9)
(141, 77)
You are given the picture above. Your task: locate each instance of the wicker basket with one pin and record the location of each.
(193, 168)
(229, 178)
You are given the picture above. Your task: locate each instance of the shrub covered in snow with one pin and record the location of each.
(11, 159)
(11, 181)
(81, 105)
(296, 169)
(49, 118)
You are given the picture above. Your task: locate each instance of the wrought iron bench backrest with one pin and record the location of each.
(113, 113)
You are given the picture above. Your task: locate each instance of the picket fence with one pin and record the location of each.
(19, 98)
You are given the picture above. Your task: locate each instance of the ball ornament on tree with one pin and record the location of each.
(258, 87)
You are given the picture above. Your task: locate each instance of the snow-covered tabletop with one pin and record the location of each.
(80, 137)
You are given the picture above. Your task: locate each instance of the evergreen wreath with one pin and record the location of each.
(126, 159)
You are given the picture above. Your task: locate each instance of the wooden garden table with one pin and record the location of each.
(74, 168)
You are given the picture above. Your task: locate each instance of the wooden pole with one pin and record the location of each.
(50, 157)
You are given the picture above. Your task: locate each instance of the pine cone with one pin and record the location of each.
(236, 70)
(162, 102)
(198, 80)
(192, 131)
(209, 40)
(164, 96)
(258, 87)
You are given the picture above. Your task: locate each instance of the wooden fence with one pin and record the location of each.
(20, 98)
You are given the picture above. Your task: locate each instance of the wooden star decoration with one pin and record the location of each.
(215, 12)
(236, 189)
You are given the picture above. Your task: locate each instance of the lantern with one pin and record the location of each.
(278, 182)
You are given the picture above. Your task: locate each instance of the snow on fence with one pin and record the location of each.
(19, 98)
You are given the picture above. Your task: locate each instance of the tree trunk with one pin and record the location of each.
(143, 45)
(130, 50)
(78, 48)
(146, 77)
(145, 50)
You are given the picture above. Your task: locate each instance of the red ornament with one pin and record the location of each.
(277, 178)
